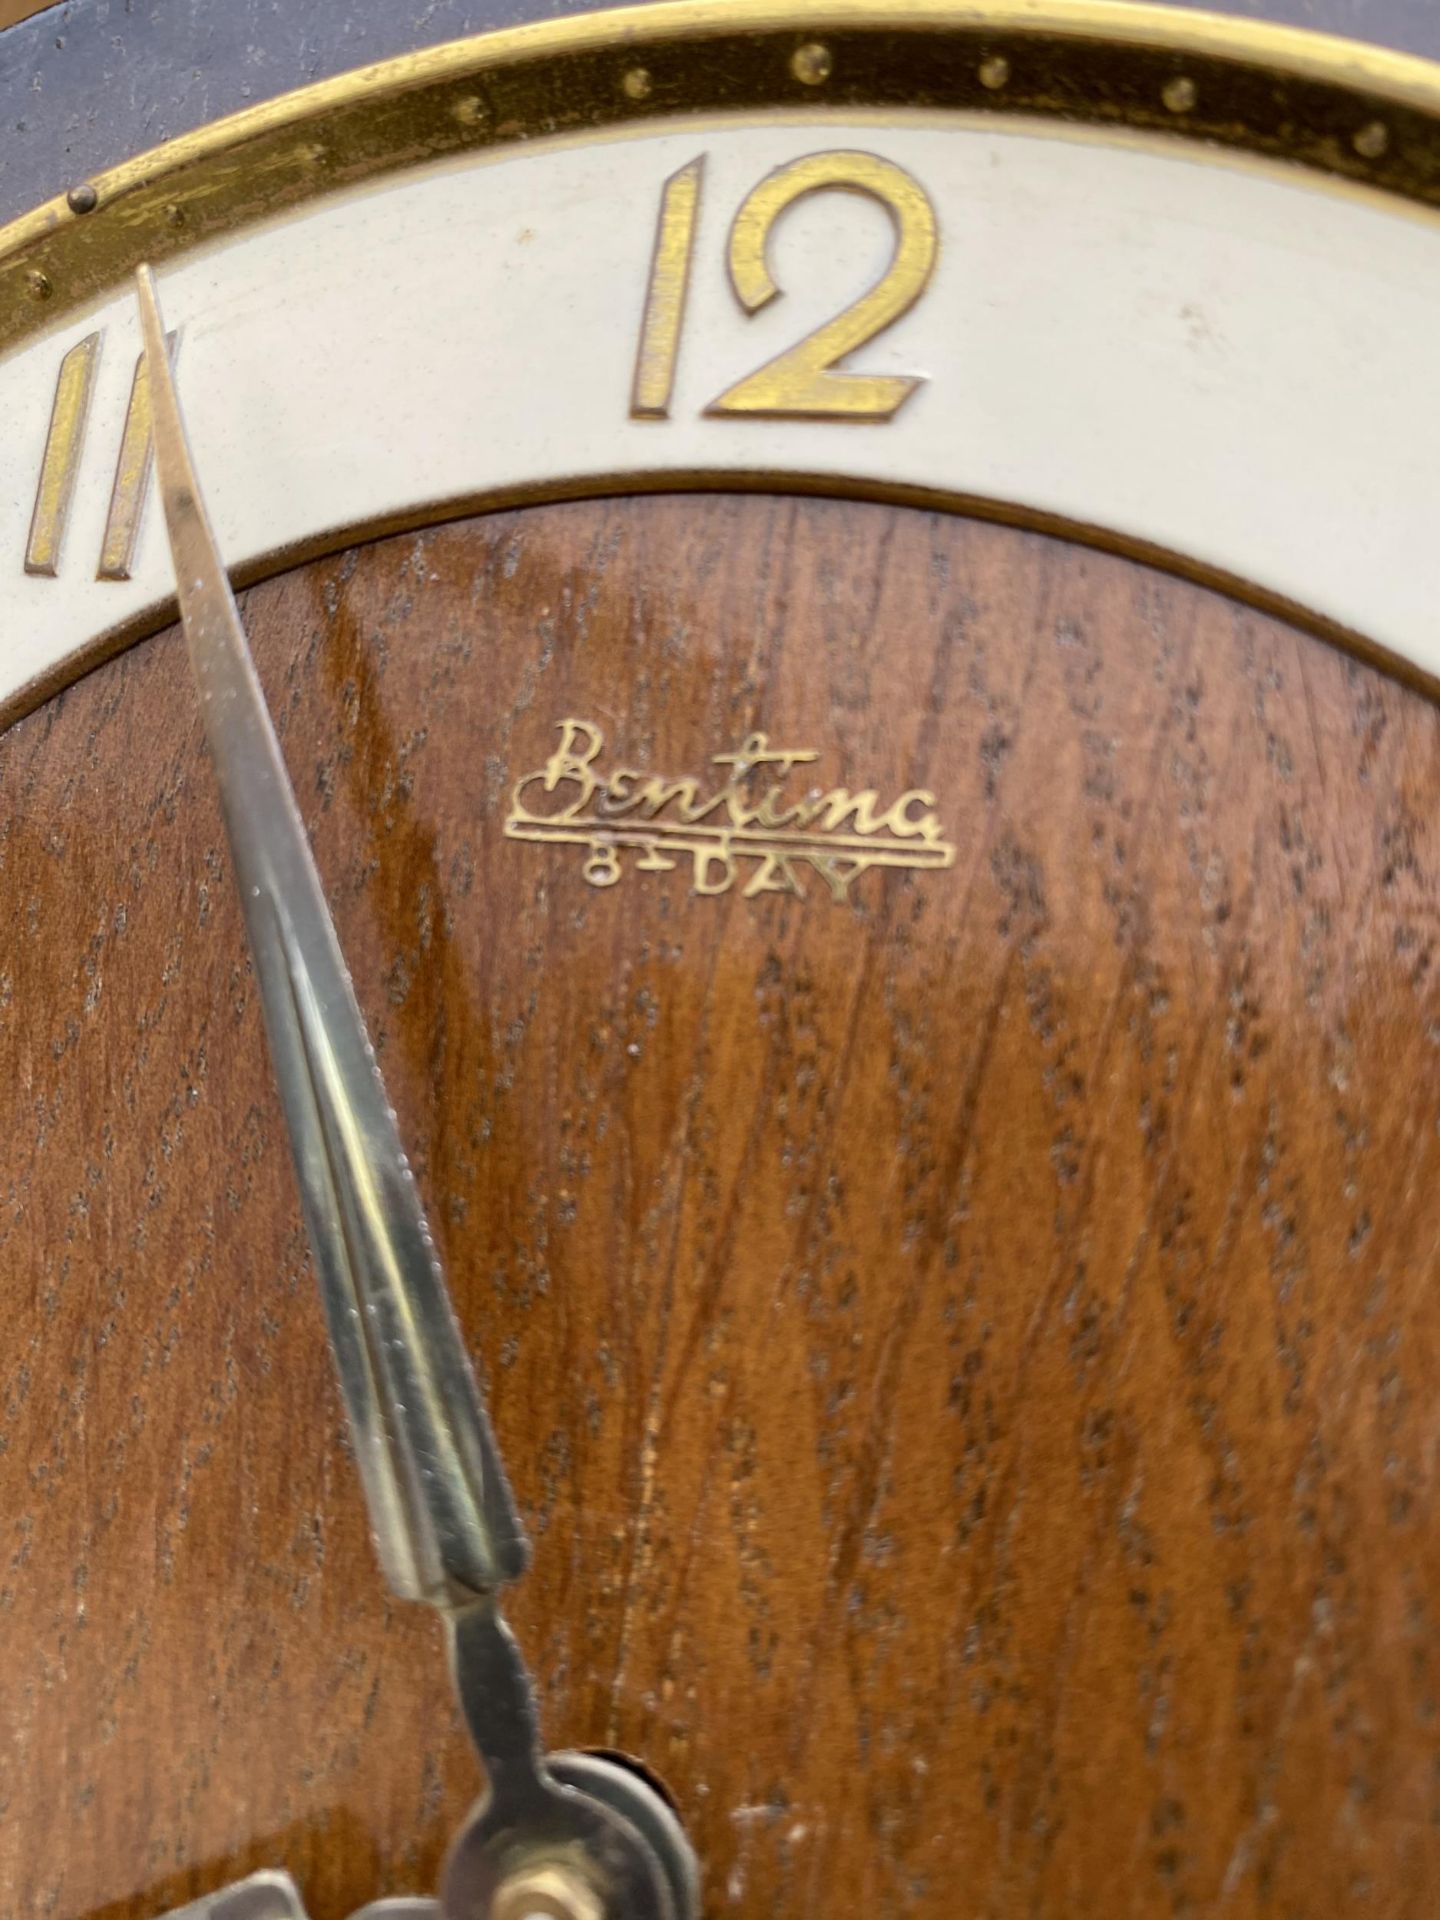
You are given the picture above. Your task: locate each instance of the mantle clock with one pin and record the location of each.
(719, 777)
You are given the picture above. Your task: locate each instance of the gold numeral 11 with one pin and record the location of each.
(64, 449)
(63, 444)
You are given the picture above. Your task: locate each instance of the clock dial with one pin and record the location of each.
(916, 1034)
(962, 1353)
(1048, 274)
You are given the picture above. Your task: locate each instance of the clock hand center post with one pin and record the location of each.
(563, 1837)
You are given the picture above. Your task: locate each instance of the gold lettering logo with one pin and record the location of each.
(739, 825)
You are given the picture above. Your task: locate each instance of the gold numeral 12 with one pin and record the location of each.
(64, 449)
(804, 382)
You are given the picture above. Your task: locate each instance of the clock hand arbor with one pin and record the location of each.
(568, 1837)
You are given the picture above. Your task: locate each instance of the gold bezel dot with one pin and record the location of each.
(812, 64)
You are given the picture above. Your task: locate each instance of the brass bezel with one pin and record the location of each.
(1359, 114)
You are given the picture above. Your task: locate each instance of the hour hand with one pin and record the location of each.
(572, 1836)
(444, 1520)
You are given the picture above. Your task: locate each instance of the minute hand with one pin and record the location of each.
(443, 1516)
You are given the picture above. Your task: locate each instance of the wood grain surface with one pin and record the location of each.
(968, 1357)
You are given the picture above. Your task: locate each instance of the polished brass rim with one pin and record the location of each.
(1354, 113)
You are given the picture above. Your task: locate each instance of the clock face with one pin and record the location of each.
(849, 606)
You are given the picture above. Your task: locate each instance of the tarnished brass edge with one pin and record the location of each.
(1358, 113)
(144, 626)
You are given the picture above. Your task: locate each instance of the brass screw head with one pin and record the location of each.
(1181, 94)
(546, 1891)
(812, 64)
(37, 284)
(1372, 140)
(995, 73)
